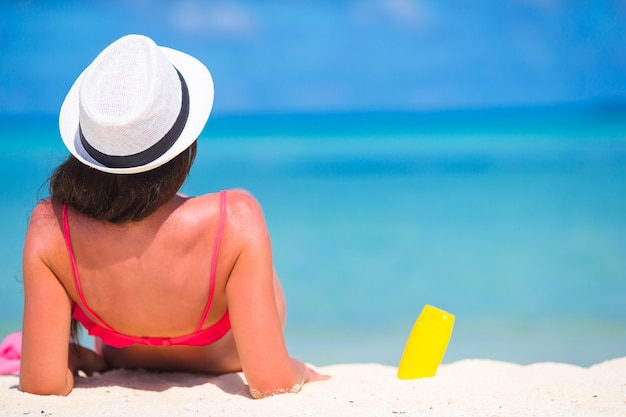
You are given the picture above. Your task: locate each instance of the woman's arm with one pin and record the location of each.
(47, 308)
(252, 307)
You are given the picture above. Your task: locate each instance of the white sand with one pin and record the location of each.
(465, 388)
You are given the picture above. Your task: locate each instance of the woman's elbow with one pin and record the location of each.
(258, 393)
(41, 386)
(269, 388)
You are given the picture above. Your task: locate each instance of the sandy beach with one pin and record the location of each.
(473, 387)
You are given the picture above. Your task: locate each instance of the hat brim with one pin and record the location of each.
(200, 86)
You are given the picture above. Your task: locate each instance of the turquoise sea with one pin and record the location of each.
(514, 220)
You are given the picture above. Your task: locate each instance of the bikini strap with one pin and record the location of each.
(68, 243)
(216, 247)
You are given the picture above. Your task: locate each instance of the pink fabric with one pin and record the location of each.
(10, 352)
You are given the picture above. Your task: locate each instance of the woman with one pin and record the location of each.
(163, 281)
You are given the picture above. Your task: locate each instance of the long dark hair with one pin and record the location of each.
(119, 198)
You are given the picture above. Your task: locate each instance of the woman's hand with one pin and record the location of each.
(313, 376)
(85, 360)
(310, 375)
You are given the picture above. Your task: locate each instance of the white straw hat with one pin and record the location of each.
(136, 106)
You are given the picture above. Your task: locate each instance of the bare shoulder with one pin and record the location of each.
(245, 215)
(243, 205)
(44, 230)
(44, 218)
(240, 203)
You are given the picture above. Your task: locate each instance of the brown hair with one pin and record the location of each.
(119, 198)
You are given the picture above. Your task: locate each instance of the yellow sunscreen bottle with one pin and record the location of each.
(427, 344)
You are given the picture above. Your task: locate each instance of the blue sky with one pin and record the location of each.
(334, 55)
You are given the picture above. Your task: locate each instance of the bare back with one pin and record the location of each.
(151, 278)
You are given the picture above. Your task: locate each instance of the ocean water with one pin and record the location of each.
(513, 220)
